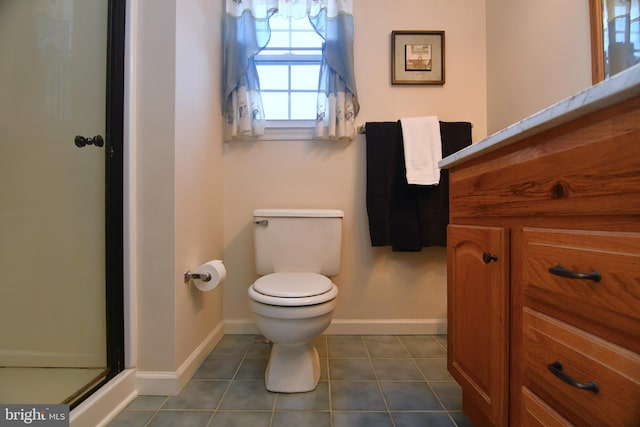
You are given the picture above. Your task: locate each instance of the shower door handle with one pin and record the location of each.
(81, 141)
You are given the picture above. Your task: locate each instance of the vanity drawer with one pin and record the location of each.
(608, 292)
(550, 344)
(586, 172)
(536, 413)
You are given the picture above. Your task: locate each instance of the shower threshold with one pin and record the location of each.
(24, 385)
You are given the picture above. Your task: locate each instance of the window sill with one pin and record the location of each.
(299, 130)
(302, 130)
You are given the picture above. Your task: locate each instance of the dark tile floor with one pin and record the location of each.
(372, 381)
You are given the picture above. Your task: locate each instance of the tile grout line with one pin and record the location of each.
(233, 377)
(445, 347)
(275, 399)
(155, 413)
(375, 374)
(447, 411)
(328, 367)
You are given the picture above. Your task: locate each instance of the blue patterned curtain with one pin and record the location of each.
(247, 32)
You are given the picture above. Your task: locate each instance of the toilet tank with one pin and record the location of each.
(299, 240)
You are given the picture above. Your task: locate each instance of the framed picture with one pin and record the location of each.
(417, 57)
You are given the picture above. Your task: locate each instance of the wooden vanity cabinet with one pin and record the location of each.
(544, 275)
(478, 310)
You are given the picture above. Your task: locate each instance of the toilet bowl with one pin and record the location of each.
(296, 251)
(291, 309)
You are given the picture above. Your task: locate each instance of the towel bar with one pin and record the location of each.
(362, 129)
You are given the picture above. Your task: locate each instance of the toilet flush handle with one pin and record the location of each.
(264, 222)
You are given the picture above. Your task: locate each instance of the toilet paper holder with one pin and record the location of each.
(205, 277)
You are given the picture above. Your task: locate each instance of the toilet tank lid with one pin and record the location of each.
(300, 213)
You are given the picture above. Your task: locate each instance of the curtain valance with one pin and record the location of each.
(261, 9)
(247, 32)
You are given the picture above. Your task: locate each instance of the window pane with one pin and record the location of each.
(276, 105)
(300, 39)
(303, 106)
(290, 69)
(277, 22)
(301, 24)
(273, 77)
(304, 77)
(278, 39)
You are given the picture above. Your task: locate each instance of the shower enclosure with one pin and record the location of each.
(60, 198)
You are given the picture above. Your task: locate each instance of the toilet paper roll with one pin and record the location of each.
(217, 271)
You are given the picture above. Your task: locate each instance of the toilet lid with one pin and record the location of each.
(293, 285)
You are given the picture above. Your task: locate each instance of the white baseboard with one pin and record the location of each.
(240, 327)
(106, 403)
(169, 383)
(387, 327)
(358, 327)
(157, 383)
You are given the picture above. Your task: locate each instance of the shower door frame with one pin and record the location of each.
(114, 191)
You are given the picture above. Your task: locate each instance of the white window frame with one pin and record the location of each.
(288, 129)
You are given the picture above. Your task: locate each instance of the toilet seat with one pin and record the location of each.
(292, 285)
(293, 289)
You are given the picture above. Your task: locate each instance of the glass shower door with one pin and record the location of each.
(52, 198)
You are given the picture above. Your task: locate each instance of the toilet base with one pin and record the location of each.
(292, 368)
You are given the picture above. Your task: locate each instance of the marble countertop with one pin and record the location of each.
(622, 86)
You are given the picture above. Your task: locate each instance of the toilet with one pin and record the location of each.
(296, 251)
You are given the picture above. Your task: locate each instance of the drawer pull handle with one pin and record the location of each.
(556, 369)
(559, 270)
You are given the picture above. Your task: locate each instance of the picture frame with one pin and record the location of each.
(417, 58)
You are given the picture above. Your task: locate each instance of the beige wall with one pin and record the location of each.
(538, 52)
(380, 290)
(199, 169)
(195, 195)
(155, 186)
(179, 176)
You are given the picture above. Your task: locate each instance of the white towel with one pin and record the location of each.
(422, 149)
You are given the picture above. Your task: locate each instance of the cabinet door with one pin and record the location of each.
(478, 307)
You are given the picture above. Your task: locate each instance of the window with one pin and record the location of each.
(289, 69)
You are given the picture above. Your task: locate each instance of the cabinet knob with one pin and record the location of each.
(487, 257)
